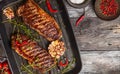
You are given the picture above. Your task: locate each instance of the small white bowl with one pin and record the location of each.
(79, 3)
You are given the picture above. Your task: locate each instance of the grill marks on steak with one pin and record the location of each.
(39, 20)
(38, 57)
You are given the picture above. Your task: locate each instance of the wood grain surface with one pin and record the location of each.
(98, 41)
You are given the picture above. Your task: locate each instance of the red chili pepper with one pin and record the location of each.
(24, 43)
(109, 7)
(17, 43)
(21, 44)
(80, 19)
(64, 64)
(5, 65)
(1, 65)
(7, 71)
(50, 7)
(112, 2)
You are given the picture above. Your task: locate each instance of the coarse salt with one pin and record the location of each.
(77, 1)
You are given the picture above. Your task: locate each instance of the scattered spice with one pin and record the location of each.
(50, 7)
(109, 7)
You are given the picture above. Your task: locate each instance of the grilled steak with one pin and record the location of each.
(38, 57)
(39, 20)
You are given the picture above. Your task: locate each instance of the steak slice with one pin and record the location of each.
(38, 57)
(39, 20)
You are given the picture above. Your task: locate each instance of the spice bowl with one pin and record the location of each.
(107, 9)
(78, 3)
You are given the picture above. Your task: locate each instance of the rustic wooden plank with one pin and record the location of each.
(95, 34)
(76, 12)
(100, 62)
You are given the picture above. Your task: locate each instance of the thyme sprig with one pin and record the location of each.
(26, 69)
(68, 67)
(21, 27)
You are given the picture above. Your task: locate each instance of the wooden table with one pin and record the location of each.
(98, 41)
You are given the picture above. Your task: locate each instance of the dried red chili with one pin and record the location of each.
(79, 20)
(50, 7)
(4, 68)
(5, 65)
(17, 43)
(109, 7)
(21, 44)
(24, 43)
(1, 65)
(64, 64)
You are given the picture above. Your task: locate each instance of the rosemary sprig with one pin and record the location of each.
(21, 27)
(68, 67)
(25, 68)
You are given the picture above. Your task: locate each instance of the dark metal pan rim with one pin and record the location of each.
(75, 50)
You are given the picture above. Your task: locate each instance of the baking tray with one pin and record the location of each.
(7, 52)
(62, 19)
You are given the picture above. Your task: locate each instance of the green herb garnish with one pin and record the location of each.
(68, 67)
(21, 27)
(26, 69)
